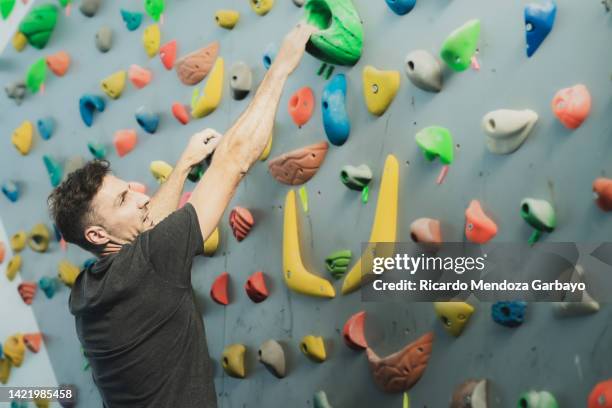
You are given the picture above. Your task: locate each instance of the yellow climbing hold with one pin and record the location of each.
(233, 360)
(22, 137)
(113, 85)
(13, 267)
(151, 39)
(41, 403)
(212, 243)
(39, 238)
(314, 348)
(384, 228)
(268, 149)
(18, 241)
(212, 92)
(227, 18)
(297, 277)
(160, 170)
(19, 41)
(14, 349)
(454, 315)
(261, 7)
(5, 370)
(379, 89)
(67, 272)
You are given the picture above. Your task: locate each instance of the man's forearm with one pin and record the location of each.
(166, 199)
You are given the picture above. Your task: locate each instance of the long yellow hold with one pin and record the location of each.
(151, 39)
(212, 243)
(212, 92)
(297, 277)
(384, 228)
(268, 149)
(22, 137)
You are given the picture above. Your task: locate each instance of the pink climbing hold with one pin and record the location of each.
(139, 76)
(180, 112)
(125, 141)
(167, 53)
(184, 198)
(27, 291)
(241, 221)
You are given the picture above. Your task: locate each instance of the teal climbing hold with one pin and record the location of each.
(337, 263)
(401, 7)
(54, 169)
(461, 45)
(132, 19)
(98, 150)
(320, 400)
(88, 104)
(38, 25)
(154, 8)
(269, 55)
(436, 141)
(45, 127)
(36, 75)
(540, 214)
(147, 119)
(335, 118)
(340, 39)
(11, 190)
(48, 285)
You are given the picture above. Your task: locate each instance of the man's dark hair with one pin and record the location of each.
(70, 203)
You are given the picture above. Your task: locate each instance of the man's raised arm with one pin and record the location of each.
(244, 142)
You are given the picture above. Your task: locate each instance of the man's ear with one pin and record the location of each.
(97, 235)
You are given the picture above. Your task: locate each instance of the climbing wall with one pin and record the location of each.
(566, 357)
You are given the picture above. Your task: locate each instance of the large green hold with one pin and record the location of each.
(436, 141)
(340, 40)
(540, 214)
(460, 46)
(6, 7)
(38, 25)
(36, 75)
(154, 8)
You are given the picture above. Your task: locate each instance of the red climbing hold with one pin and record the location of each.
(602, 187)
(256, 288)
(301, 106)
(180, 112)
(352, 332)
(2, 252)
(33, 341)
(27, 291)
(479, 228)
(601, 395)
(167, 53)
(125, 141)
(218, 291)
(241, 221)
(139, 76)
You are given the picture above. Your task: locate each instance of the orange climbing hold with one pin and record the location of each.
(27, 291)
(479, 228)
(301, 106)
(256, 287)
(2, 252)
(572, 105)
(601, 395)
(139, 76)
(241, 221)
(33, 341)
(58, 63)
(125, 141)
(602, 187)
(180, 112)
(167, 54)
(218, 291)
(353, 333)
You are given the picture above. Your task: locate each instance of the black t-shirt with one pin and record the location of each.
(138, 323)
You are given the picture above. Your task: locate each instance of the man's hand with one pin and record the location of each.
(200, 146)
(293, 46)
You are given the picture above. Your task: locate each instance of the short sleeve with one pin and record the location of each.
(173, 243)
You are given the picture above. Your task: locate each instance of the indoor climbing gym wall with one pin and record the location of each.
(437, 120)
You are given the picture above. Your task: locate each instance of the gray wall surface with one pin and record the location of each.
(566, 357)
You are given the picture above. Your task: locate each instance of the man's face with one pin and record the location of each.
(120, 211)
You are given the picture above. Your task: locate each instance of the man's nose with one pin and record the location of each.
(143, 200)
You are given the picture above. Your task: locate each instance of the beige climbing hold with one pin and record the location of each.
(212, 243)
(578, 303)
(426, 231)
(470, 394)
(227, 18)
(67, 272)
(379, 89)
(314, 348)
(298, 166)
(233, 360)
(272, 356)
(14, 349)
(13, 266)
(18, 241)
(160, 170)
(506, 129)
(193, 67)
(19, 41)
(22, 137)
(454, 315)
(114, 84)
(151, 39)
(39, 238)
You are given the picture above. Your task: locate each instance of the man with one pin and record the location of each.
(134, 308)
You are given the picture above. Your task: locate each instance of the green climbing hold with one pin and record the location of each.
(540, 214)
(356, 177)
(303, 198)
(154, 8)
(436, 141)
(64, 3)
(460, 46)
(535, 399)
(97, 150)
(6, 7)
(36, 75)
(320, 400)
(340, 40)
(54, 169)
(337, 263)
(196, 173)
(38, 25)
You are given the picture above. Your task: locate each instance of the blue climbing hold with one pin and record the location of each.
(54, 169)
(1, 355)
(269, 55)
(48, 286)
(89, 262)
(539, 21)
(132, 19)
(45, 127)
(335, 119)
(11, 190)
(509, 314)
(97, 150)
(57, 233)
(88, 104)
(401, 7)
(147, 119)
